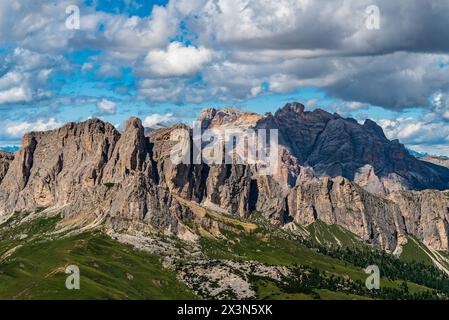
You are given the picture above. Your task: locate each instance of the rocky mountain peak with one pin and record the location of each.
(133, 122)
(373, 127)
(130, 152)
(293, 107)
(335, 146)
(327, 144)
(207, 115)
(227, 117)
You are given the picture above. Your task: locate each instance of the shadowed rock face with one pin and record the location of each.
(5, 159)
(334, 146)
(92, 173)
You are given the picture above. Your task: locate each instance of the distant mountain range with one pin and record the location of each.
(10, 148)
(340, 184)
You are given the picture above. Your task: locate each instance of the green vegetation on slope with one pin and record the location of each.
(109, 269)
(418, 274)
(337, 269)
(332, 235)
(325, 265)
(414, 251)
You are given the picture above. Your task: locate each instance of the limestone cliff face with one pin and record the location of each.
(341, 202)
(54, 168)
(5, 160)
(325, 144)
(426, 215)
(129, 155)
(234, 188)
(90, 171)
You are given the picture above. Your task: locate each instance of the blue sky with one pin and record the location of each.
(166, 60)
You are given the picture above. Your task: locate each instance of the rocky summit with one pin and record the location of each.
(332, 170)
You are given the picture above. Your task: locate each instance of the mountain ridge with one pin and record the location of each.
(93, 174)
(335, 146)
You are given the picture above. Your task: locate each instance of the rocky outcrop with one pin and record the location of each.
(58, 167)
(129, 155)
(5, 159)
(426, 216)
(340, 202)
(366, 178)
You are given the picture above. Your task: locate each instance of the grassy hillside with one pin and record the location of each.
(276, 250)
(327, 264)
(333, 235)
(415, 250)
(109, 269)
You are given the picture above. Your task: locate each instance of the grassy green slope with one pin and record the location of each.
(274, 250)
(32, 267)
(413, 250)
(333, 235)
(109, 269)
(277, 250)
(416, 251)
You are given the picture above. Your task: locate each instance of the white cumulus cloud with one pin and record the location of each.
(16, 94)
(18, 129)
(105, 106)
(156, 119)
(178, 60)
(416, 132)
